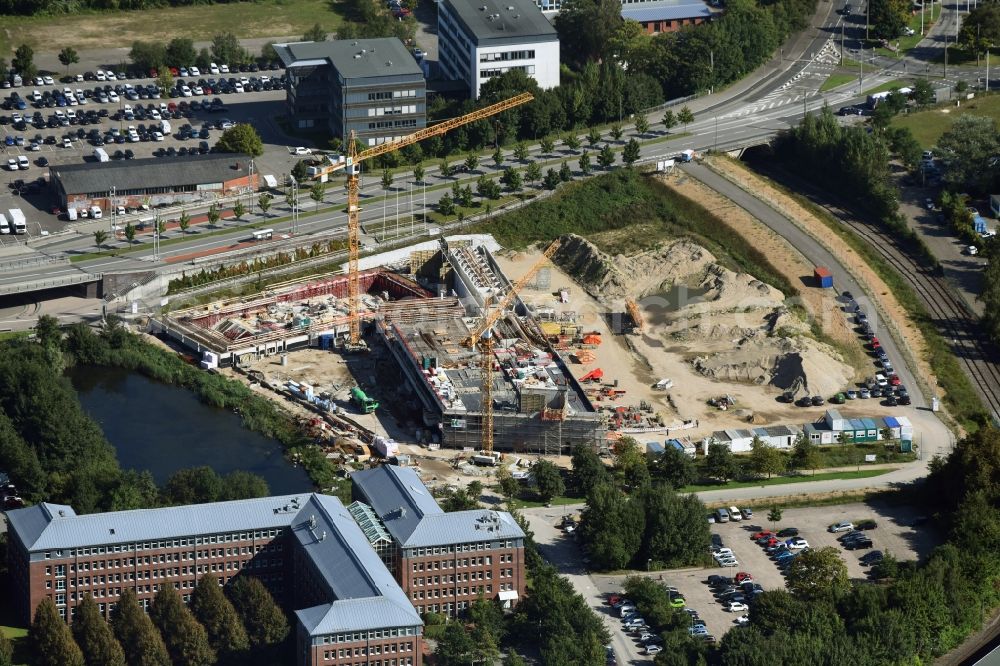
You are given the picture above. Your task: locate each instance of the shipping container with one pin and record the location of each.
(824, 278)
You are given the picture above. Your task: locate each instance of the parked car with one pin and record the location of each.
(859, 544)
(737, 607)
(842, 526)
(798, 543)
(872, 557)
(788, 532)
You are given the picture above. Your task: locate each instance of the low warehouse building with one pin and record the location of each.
(152, 182)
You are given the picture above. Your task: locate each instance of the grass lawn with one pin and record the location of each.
(889, 85)
(778, 480)
(522, 503)
(9, 335)
(928, 126)
(836, 80)
(93, 30)
(19, 637)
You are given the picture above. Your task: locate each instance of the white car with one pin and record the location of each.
(213, 68)
(881, 380)
(742, 620)
(737, 607)
(842, 526)
(224, 69)
(185, 91)
(301, 150)
(653, 649)
(972, 250)
(12, 164)
(99, 75)
(67, 142)
(113, 96)
(723, 553)
(197, 90)
(734, 514)
(194, 71)
(48, 80)
(157, 136)
(22, 162)
(238, 87)
(798, 543)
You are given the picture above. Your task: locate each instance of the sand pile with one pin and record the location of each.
(732, 326)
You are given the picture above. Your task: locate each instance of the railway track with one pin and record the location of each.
(976, 354)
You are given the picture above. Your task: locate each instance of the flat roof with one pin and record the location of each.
(500, 20)
(665, 10)
(169, 172)
(352, 58)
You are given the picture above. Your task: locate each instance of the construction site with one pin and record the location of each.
(451, 323)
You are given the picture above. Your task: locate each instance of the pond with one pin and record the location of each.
(163, 428)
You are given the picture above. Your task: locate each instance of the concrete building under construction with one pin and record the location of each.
(423, 311)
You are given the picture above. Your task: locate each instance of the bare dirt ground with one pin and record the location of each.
(638, 362)
(879, 291)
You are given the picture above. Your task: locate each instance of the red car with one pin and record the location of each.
(744, 577)
(153, 73)
(613, 599)
(761, 535)
(895, 380)
(875, 343)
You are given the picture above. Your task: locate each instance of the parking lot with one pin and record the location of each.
(104, 120)
(895, 533)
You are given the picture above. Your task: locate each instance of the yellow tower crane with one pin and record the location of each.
(483, 333)
(352, 165)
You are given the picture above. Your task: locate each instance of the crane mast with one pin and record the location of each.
(353, 167)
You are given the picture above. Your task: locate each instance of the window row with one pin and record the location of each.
(169, 543)
(451, 592)
(507, 55)
(372, 635)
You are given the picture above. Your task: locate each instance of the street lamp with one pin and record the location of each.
(649, 564)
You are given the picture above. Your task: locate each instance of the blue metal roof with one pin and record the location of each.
(665, 10)
(357, 615)
(463, 527)
(857, 424)
(869, 423)
(891, 421)
(42, 527)
(398, 496)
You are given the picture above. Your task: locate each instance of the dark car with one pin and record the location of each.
(203, 147)
(817, 400)
(118, 155)
(873, 557)
(42, 162)
(129, 155)
(866, 525)
(904, 399)
(859, 544)
(804, 401)
(789, 532)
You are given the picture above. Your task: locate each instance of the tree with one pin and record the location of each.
(612, 526)
(587, 470)
(804, 454)
(94, 636)
(641, 124)
(300, 170)
(533, 173)
(129, 232)
(685, 117)
(584, 163)
(968, 150)
(24, 62)
(180, 51)
(263, 619)
(268, 53)
(446, 205)
(184, 221)
(888, 17)
(215, 612)
(455, 647)
(446, 169)
(135, 632)
(68, 56)
(418, 173)
(586, 29)
(507, 484)
(164, 79)
(720, 462)
(676, 532)
(616, 132)
(593, 136)
(521, 151)
(669, 120)
(465, 197)
(148, 55)
(497, 157)
(571, 141)
(606, 157)
(980, 29)
(204, 59)
(818, 573)
(674, 467)
(512, 179)
(471, 161)
(512, 658)
(386, 179)
(548, 480)
(240, 138)
(630, 154)
(100, 236)
(552, 179)
(213, 214)
(186, 640)
(765, 459)
(315, 34)
(264, 202)
(192, 485)
(226, 48)
(923, 91)
(565, 173)
(239, 210)
(547, 145)
(161, 226)
(6, 646)
(51, 641)
(316, 193)
(774, 515)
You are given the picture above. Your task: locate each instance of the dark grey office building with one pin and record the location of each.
(372, 86)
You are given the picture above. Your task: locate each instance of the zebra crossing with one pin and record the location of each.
(803, 85)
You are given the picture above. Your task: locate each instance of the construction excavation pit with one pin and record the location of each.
(450, 348)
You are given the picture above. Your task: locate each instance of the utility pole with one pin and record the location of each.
(842, 53)
(868, 12)
(156, 237)
(250, 191)
(711, 65)
(922, 3)
(111, 205)
(987, 69)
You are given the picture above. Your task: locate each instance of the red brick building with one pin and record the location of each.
(443, 561)
(658, 16)
(306, 548)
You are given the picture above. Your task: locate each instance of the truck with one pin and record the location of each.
(18, 223)
(685, 155)
(486, 459)
(362, 401)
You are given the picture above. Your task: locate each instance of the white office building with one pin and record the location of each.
(480, 39)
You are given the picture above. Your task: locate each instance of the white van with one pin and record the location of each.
(71, 214)
(165, 127)
(95, 212)
(734, 514)
(101, 155)
(4, 227)
(721, 516)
